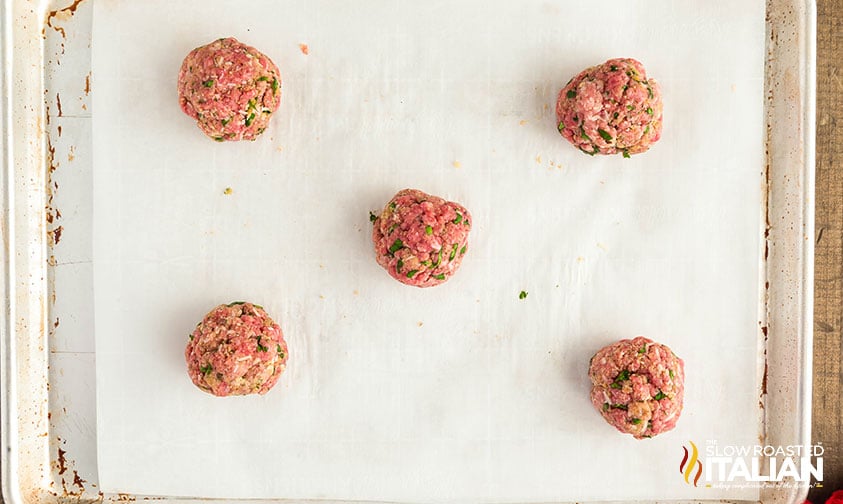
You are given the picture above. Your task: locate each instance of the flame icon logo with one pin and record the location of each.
(687, 466)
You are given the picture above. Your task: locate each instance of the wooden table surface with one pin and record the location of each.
(828, 297)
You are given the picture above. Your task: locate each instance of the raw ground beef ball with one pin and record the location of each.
(611, 108)
(638, 386)
(231, 89)
(421, 239)
(237, 349)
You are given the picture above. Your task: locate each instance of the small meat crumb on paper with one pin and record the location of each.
(228, 190)
(303, 48)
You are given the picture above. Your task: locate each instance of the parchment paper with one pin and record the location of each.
(461, 392)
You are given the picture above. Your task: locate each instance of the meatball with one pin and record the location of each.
(421, 239)
(237, 349)
(611, 108)
(638, 386)
(231, 89)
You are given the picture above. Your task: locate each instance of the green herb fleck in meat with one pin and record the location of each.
(438, 258)
(426, 263)
(208, 83)
(522, 295)
(428, 230)
(250, 119)
(463, 249)
(571, 94)
(670, 372)
(620, 406)
(647, 129)
(661, 395)
(262, 348)
(274, 85)
(605, 406)
(629, 107)
(605, 135)
(236, 303)
(613, 68)
(635, 421)
(412, 273)
(458, 218)
(440, 276)
(190, 336)
(650, 110)
(560, 126)
(583, 135)
(626, 154)
(278, 350)
(399, 266)
(615, 115)
(219, 139)
(622, 376)
(392, 206)
(454, 252)
(372, 217)
(226, 121)
(206, 369)
(263, 78)
(396, 246)
(650, 92)
(391, 228)
(642, 350)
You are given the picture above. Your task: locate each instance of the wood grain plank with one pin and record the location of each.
(828, 296)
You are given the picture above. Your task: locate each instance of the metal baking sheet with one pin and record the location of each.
(48, 422)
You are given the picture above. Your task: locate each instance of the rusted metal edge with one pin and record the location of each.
(8, 427)
(787, 333)
(25, 388)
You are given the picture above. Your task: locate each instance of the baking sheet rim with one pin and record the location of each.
(25, 356)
